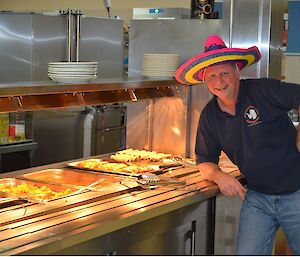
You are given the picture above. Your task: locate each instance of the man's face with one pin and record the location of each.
(223, 81)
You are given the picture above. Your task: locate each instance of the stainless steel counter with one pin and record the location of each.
(76, 220)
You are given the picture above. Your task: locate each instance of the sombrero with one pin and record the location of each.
(216, 52)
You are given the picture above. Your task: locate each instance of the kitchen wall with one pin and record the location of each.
(31, 5)
(291, 57)
(123, 9)
(291, 67)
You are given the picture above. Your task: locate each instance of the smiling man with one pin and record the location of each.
(247, 119)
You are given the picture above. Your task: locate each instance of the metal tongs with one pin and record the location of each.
(151, 179)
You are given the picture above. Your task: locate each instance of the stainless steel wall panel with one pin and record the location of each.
(49, 43)
(260, 25)
(59, 135)
(184, 37)
(169, 125)
(102, 40)
(137, 125)
(15, 47)
(276, 39)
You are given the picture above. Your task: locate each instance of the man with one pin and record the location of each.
(248, 120)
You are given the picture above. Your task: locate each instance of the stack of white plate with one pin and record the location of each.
(160, 65)
(73, 72)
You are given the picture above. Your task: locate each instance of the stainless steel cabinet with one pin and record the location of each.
(181, 232)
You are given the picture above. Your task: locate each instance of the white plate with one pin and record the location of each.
(171, 58)
(68, 73)
(76, 66)
(161, 55)
(159, 77)
(149, 67)
(72, 69)
(71, 80)
(73, 63)
(159, 68)
(161, 63)
(163, 74)
(72, 76)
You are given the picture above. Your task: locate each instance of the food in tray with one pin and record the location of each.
(130, 155)
(101, 165)
(28, 190)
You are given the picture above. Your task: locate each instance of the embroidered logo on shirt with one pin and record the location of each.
(251, 115)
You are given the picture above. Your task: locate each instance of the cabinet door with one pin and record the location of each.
(226, 224)
(179, 232)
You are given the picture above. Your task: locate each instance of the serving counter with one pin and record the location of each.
(124, 218)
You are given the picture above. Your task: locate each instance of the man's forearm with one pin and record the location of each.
(227, 184)
(298, 132)
(210, 171)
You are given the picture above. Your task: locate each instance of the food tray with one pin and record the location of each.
(71, 177)
(14, 184)
(163, 160)
(145, 168)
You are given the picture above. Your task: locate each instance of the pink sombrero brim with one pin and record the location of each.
(191, 72)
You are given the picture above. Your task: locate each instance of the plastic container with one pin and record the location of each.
(16, 126)
(4, 128)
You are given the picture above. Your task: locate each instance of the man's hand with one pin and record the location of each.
(228, 185)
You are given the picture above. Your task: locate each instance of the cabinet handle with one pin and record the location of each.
(193, 238)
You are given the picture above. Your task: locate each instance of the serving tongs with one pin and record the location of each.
(152, 180)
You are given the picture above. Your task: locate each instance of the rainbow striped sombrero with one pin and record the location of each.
(216, 52)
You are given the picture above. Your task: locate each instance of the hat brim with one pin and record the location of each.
(191, 72)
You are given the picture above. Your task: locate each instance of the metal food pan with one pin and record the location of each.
(76, 165)
(71, 177)
(13, 183)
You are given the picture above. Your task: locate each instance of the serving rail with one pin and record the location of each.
(47, 228)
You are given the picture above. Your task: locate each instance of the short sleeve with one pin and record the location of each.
(207, 148)
(283, 94)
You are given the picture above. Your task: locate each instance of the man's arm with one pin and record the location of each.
(228, 185)
(298, 132)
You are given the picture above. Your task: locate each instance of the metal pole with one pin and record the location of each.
(78, 26)
(232, 5)
(69, 39)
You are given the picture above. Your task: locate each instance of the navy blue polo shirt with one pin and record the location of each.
(260, 138)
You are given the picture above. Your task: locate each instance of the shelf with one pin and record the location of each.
(27, 96)
(18, 147)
